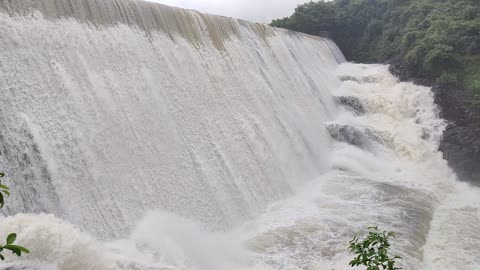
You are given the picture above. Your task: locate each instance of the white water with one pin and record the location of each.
(190, 141)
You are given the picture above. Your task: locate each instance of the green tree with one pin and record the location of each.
(372, 251)
(430, 38)
(10, 241)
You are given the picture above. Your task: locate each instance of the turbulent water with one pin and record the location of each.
(140, 136)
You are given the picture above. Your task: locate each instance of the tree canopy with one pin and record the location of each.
(438, 39)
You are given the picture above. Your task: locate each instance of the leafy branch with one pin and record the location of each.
(372, 251)
(3, 190)
(10, 246)
(15, 249)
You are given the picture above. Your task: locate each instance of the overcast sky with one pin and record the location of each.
(251, 10)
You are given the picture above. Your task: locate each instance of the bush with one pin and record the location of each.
(471, 71)
(372, 251)
(447, 78)
(474, 86)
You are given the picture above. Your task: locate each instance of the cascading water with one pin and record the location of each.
(192, 141)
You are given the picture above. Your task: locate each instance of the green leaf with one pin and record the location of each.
(16, 249)
(1, 257)
(2, 200)
(11, 238)
(23, 249)
(6, 192)
(4, 187)
(391, 265)
(372, 251)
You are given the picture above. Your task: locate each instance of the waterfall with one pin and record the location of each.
(117, 107)
(181, 140)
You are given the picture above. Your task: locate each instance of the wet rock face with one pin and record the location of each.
(352, 103)
(352, 135)
(461, 140)
(460, 144)
(396, 68)
(358, 79)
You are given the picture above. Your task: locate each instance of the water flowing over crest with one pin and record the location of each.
(189, 141)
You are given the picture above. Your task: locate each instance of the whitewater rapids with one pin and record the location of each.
(143, 137)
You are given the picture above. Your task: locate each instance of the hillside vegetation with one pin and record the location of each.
(434, 39)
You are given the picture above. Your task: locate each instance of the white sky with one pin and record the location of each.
(251, 10)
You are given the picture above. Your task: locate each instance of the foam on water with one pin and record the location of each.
(158, 138)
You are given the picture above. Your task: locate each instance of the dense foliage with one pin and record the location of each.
(372, 251)
(437, 39)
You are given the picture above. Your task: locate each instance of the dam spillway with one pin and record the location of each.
(136, 122)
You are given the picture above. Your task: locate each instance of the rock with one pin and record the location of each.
(397, 68)
(461, 140)
(353, 103)
(364, 79)
(348, 78)
(352, 135)
(460, 144)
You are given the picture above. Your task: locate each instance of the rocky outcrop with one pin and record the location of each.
(352, 135)
(352, 103)
(461, 140)
(397, 68)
